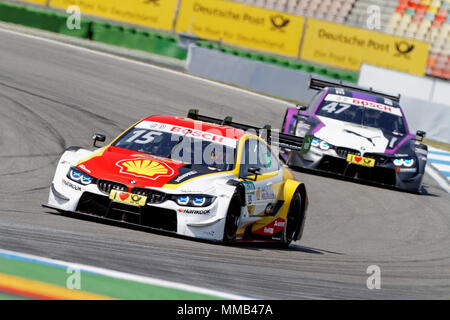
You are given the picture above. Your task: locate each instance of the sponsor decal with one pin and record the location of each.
(209, 233)
(128, 198)
(71, 185)
(194, 211)
(178, 130)
(184, 176)
(363, 161)
(306, 146)
(421, 151)
(280, 224)
(268, 230)
(364, 103)
(249, 187)
(144, 168)
(267, 193)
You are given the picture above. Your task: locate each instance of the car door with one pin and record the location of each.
(262, 188)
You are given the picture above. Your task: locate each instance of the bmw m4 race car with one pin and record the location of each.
(357, 133)
(198, 176)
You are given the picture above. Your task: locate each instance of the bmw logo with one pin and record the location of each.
(363, 149)
(133, 181)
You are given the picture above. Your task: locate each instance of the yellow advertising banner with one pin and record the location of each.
(241, 25)
(43, 2)
(159, 14)
(349, 47)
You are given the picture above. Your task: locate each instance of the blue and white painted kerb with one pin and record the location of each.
(438, 167)
(440, 159)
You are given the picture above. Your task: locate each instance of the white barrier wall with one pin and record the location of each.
(255, 75)
(425, 101)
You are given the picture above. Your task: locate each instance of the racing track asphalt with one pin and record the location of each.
(54, 96)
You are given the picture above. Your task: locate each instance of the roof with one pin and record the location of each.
(363, 96)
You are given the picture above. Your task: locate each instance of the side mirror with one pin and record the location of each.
(301, 107)
(98, 137)
(420, 135)
(252, 171)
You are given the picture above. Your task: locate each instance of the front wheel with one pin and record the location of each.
(232, 219)
(293, 220)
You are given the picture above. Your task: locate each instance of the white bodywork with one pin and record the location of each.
(203, 222)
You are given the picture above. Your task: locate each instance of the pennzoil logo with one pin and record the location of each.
(144, 168)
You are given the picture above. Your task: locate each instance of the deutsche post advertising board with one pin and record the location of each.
(349, 47)
(241, 25)
(159, 14)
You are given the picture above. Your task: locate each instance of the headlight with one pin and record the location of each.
(195, 200)
(315, 142)
(79, 176)
(407, 162)
(324, 145)
(320, 144)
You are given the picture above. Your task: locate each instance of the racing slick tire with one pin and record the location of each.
(293, 220)
(232, 219)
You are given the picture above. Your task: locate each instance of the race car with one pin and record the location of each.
(198, 176)
(358, 133)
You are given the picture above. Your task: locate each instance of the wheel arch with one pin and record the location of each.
(290, 188)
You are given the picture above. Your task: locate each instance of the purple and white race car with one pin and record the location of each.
(356, 133)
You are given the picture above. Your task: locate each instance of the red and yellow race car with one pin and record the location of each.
(197, 176)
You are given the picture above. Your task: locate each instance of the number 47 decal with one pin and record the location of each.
(332, 107)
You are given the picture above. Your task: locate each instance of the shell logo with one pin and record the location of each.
(144, 168)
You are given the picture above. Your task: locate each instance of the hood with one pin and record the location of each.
(358, 137)
(124, 166)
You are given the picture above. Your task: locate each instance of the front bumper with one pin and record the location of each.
(334, 162)
(204, 223)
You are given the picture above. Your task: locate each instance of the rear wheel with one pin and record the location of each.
(232, 219)
(293, 220)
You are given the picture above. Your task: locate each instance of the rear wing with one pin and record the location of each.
(317, 84)
(272, 137)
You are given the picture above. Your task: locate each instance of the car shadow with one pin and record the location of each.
(423, 191)
(276, 246)
(244, 245)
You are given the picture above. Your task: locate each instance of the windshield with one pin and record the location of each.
(179, 145)
(362, 112)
